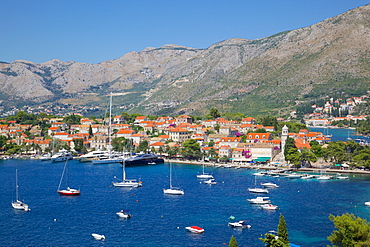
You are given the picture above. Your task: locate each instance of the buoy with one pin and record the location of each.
(137, 200)
(55, 219)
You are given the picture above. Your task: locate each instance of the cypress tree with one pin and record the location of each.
(233, 242)
(282, 230)
(90, 131)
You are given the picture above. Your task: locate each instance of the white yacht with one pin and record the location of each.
(269, 206)
(307, 176)
(62, 155)
(258, 190)
(293, 175)
(92, 155)
(204, 175)
(127, 182)
(211, 181)
(98, 236)
(173, 190)
(270, 185)
(17, 204)
(240, 223)
(259, 200)
(123, 214)
(324, 177)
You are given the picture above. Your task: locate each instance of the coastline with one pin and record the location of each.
(268, 167)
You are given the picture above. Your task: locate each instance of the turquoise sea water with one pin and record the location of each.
(160, 220)
(340, 134)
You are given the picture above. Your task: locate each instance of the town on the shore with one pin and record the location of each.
(218, 139)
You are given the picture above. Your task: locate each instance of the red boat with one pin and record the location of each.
(69, 192)
(195, 229)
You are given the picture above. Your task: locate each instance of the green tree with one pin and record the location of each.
(289, 143)
(72, 119)
(191, 149)
(279, 240)
(351, 231)
(3, 140)
(214, 113)
(306, 157)
(316, 148)
(335, 152)
(79, 145)
(224, 159)
(293, 156)
(143, 146)
(211, 143)
(91, 134)
(233, 242)
(282, 230)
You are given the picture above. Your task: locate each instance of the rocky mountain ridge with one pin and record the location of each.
(255, 77)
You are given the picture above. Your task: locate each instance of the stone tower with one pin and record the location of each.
(284, 136)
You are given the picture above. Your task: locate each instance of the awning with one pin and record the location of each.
(262, 159)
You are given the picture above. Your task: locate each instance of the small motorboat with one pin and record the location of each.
(258, 190)
(194, 229)
(339, 176)
(259, 174)
(307, 176)
(270, 185)
(367, 203)
(293, 175)
(324, 177)
(259, 200)
(269, 207)
(240, 223)
(124, 214)
(98, 236)
(211, 181)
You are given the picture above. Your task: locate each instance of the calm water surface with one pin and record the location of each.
(340, 134)
(158, 219)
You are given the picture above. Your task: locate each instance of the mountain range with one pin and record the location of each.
(256, 77)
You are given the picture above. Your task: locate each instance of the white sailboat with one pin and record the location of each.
(68, 191)
(204, 175)
(256, 189)
(127, 182)
(17, 204)
(108, 159)
(173, 190)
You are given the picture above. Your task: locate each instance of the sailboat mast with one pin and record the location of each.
(60, 182)
(110, 126)
(16, 185)
(123, 171)
(170, 175)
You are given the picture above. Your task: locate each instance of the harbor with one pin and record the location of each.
(155, 215)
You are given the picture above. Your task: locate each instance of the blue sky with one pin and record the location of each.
(94, 31)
